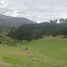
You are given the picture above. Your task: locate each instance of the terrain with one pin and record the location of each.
(25, 43)
(8, 21)
(45, 52)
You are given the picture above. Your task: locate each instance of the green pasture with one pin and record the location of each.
(45, 52)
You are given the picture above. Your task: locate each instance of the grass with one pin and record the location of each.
(45, 52)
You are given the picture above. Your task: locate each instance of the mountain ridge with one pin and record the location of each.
(8, 21)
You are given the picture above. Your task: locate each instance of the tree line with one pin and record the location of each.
(36, 31)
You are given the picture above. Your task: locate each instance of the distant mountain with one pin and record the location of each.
(7, 21)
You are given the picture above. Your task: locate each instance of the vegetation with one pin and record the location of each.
(36, 31)
(45, 52)
(33, 44)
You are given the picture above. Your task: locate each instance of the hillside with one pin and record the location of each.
(7, 21)
(46, 52)
(5, 38)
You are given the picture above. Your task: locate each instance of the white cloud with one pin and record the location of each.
(3, 3)
(13, 13)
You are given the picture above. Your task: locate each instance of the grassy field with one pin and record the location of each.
(46, 52)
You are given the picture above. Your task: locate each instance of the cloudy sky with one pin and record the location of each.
(37, 10)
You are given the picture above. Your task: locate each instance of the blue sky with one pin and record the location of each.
(37, 10)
